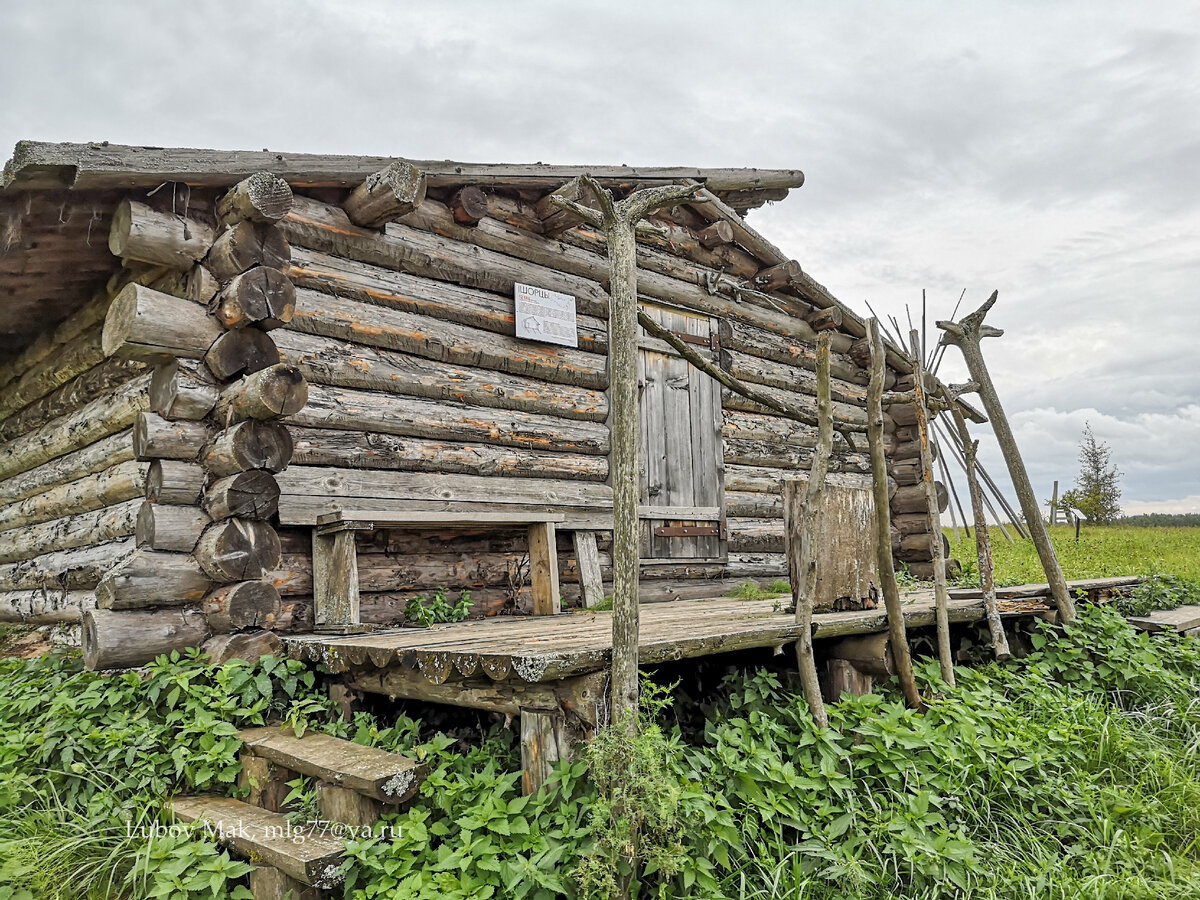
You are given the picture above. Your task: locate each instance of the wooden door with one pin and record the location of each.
(682, 462)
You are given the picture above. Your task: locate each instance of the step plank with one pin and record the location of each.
(388, 777)
(1182, 619)
(311, 857)
(1035, 591)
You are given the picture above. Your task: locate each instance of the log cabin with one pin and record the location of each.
(248, 396)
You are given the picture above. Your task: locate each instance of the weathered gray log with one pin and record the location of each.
(248, 604)
(182, 390)
(165, 526)
(106, 415)
(248, 645)
(174, 482)
(618, 220)
(468, 205)
(245, 245)
(262, 297)
(778, 276)
(251, 495)
(78, 568)
(165, 239)
(912, 499)
(80, 322)
(556, 219)
(115, 640)
(243, 350)
(102, 378)
(343, 363)
(202, 285)
(44, 606)
(393, 329)
(103, 454)
(153, 578)
(800, 512)
(983, 541)
(374, 450)
(966, 335)
(157, 438)
(386, 195)
(788, 377)
(261, 197)
(57, 369)
(104, 488)
(237, 550)
(352, 410)
(825, 319)
(588, 559)
(941, 593)
(279, 390)
(883, 525)
(148, 325)
(715, 234)
(252, 444)
(78, 530)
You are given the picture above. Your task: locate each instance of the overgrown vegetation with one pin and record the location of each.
(749, 590)
(1070, 773)
(433, 610)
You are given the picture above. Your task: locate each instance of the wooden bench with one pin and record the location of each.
(335, 557)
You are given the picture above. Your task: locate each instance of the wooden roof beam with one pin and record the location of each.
(37, 165)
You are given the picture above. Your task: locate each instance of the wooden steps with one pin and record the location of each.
(355, 786)
(1184, 619)
(386, 777)
(304, 854)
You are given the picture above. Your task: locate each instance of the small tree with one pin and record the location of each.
(1097, 492)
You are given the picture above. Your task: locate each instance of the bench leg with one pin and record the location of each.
(588, 558)
(543, 569)
(335, 580)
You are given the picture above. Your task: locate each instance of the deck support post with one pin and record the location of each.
(545, 741)
(268, 883)
(617, 219)
(335, 580)
(842, 678)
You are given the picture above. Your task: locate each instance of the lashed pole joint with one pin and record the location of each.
(618, 219)
(966, 335)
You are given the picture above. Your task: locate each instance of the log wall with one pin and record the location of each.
(248, 370)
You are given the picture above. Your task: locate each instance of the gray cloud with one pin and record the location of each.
(1046, 150)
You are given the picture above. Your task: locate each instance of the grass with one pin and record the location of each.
(748, 590)
(1102, 552)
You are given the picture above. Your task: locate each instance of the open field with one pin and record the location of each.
(1102, 552)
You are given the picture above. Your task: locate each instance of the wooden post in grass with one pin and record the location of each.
(618, 220)
(801, 530)
(966, 335)
(941, 594)
(898, 634)
(983, 542)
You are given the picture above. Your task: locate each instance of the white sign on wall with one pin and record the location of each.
(547, 316)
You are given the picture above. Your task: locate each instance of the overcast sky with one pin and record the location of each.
(1050, 151)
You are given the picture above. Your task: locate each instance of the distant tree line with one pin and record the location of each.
(1154, 520)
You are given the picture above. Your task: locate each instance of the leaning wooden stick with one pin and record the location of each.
(802, 523)
(898, 634)
(983, 542)
(966, 335)
(618, 219)
(941, 594)
(738, 387)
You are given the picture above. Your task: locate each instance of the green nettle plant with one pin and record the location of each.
(1070, 773)
(425, 611)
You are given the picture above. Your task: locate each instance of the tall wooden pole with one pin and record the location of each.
(618, 220)
(897, 633)
(941, 594)
(983, 541)
(801, 523)
(966, 335)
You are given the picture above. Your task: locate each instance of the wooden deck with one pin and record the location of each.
(533, 649)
